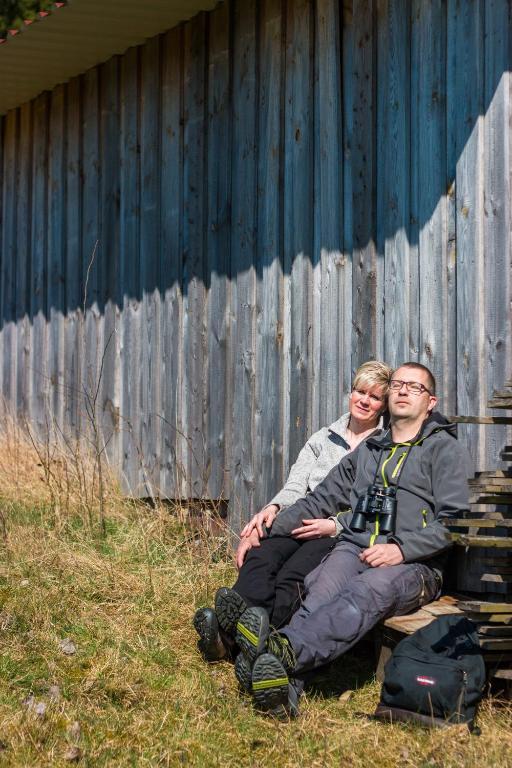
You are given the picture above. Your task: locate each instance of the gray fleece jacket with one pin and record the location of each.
(320, 454)
(430, 474)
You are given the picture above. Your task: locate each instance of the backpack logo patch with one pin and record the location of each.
(422, 680)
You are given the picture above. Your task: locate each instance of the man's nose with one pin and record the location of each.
(403, 385)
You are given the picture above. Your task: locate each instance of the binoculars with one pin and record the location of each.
(376, 501)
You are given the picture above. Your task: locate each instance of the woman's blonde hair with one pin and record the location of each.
(373, 374)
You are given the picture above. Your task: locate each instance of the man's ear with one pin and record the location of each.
(432, 404)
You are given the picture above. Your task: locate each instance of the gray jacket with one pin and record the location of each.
(430, 475)
(321, 453)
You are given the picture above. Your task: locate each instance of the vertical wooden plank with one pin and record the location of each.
(393, 151)
(38, 351)
(23, 271)
(242, 258)
(269, 288)
(3, 192)
(467, 37)
(218, 250)
(129, 268)
(331, 328)
(194, 294)
(150, 263)
(56, 275)
(108, 253)
(428, 153)
(298, 204)
(362, 79)
(92, 322)
(347, 87)
(497, 202)
(174, 448)
(8, 273)
(73, 259)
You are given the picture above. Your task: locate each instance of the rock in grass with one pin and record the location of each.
(73, 733)
(67, 646)
(40, 709)
(54, 693)
(73, 754)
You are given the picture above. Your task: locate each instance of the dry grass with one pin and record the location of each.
(136, 686)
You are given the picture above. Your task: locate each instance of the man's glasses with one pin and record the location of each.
(414, 387)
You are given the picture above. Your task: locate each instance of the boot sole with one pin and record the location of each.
(229, 606)
(270, 686)
(243, 673)
(252, 633)
(210, 643)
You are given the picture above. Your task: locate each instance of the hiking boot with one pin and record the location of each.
(210, 642)
(272, 690)
(229, 606)
(252, 631)
(243, 672)
(280, 647)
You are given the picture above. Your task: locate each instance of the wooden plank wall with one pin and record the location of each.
(207, 235)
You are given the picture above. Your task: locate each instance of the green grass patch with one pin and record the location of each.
(136, 685)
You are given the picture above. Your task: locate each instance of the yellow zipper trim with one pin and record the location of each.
(399, 464)
(424, 516)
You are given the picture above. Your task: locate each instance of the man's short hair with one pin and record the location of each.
(373, 374)
(430, 376)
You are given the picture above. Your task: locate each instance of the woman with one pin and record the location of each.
(272, 570)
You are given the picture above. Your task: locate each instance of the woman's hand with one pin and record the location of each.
(314, 529)
(246, 543)
(264, 517)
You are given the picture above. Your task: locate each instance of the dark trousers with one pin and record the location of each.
(273, 574)
(345, 598)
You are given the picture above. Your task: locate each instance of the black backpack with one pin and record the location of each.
(435, 676)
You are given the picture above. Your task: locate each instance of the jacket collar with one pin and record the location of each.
(339, 427)
(433, 423)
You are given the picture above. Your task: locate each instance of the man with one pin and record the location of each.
(402, 485)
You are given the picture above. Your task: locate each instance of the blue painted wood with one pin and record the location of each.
(194, 294)
(242, 259)
(129, 268)
(174, 447)
(298, 225)
(218, 252)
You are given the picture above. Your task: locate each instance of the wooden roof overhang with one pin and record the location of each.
(78, 35)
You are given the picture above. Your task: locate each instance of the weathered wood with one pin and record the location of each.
(195, 370)
(242, 259)
(480, 419)
(218, 253)
(393, 189)
(174, 447)
(56, 280)
(298, 225)
(130, 329)
(363, 163)
(481, 541)
(150, 361)
(479, 606)
(23, 214)
(8, 273)
(329, 329)
(38, 352)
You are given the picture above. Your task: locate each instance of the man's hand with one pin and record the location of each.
(264, 517)
(314, 529)
(382, 554)
(246, 543)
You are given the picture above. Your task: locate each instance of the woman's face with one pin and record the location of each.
(366, 404)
